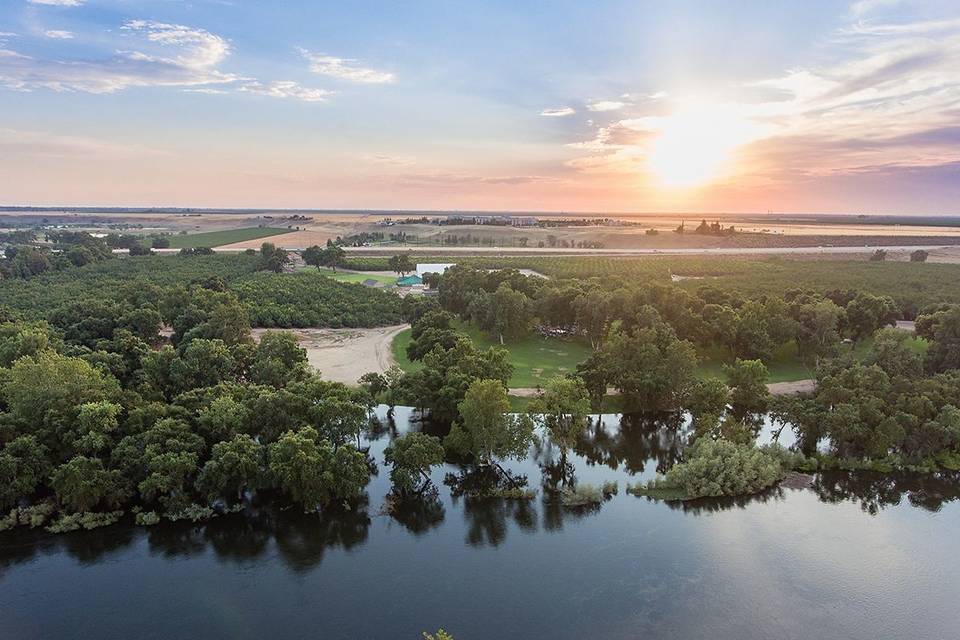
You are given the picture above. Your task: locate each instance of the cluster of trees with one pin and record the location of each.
(708, 229)
(508, 304)
(66, 250)
(331, 256)
(96, 415)
(307, 299)
(897, 404)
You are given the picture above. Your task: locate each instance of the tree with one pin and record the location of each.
(234, 466)
(160, 242)
(891, 352)
(332, 256)
(83, 483)
(401, 264)
(707, 402)
(272, 258)
(879, 255)
(748, 379)
(818, 333)
(278, 360)
(313, 256)
(411, 457)
(651, 368)
(313, 473)
(486, 430)
(715, 468)
(866, 313)
(944, 351)
(561, 409)
(23, 466)
(919, 255)
(510, 313)
(593, 313)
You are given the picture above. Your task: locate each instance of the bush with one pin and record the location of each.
(721, 468)
(87, 520)
(147, 518)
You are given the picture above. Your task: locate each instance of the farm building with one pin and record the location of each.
(409, 281)
(424, 269)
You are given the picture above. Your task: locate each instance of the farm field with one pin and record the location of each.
(220, 238)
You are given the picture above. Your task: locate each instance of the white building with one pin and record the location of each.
(423, 269)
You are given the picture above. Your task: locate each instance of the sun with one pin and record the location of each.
(694, 145)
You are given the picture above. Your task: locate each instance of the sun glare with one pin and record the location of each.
(694, 146)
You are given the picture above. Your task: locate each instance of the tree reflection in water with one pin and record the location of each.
(418, 513)
(637, 440)
(876, 491)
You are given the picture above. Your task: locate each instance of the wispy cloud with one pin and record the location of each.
(287, 89)
(560, 112)
(183, 57)
(345, 69)
(58, 34)
(606, 105)
(58, 3)
(50, 145)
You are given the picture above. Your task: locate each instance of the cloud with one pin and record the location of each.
(181, 57)
(345, 69)
(58, 3)
(58, 34)
(454, 179)
(606, 105)
(885, 93)
(18, 143)
(287, 89)
(560, 112)
(385, 159)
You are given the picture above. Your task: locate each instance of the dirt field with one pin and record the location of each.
(292, 240)
(343, 355)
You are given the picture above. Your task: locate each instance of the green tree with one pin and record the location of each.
(892, 352)
(411, 456)
(23, 467)
(748, 379)
(707, 402)
(313, 473)
(332, 256)
(273, 258)
(234, 466)
(313, 256)
(562, 409)
(401, 264)
(866, 313)
(944, 351)
(278, 360)
(486, 430)
(83, 483)
(510, 313)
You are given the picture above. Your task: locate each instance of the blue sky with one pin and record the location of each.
(561, 105)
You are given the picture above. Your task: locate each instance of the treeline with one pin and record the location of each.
(509, 305)
(99, 414)
(66, 250)
(270, 299)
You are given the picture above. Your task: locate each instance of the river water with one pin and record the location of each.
(855, 556)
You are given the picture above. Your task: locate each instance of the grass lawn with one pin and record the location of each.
(535, 359)
(220, 238)
(342, 276)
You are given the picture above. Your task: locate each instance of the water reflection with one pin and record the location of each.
(610, 450)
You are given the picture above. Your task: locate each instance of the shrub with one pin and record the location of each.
(722, 468)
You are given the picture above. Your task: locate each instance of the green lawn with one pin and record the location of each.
(342, 276)
(219, 238)
(535, 359)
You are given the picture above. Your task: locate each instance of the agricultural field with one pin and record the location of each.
(911, 285)
(220, 238)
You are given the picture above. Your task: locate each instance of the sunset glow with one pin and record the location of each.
(828, 106)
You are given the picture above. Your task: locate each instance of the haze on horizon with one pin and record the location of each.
(616, 106)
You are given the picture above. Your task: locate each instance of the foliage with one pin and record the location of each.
(313, 472)
(714, 468)
(411, 456)
(748, 381)
(561, 409)
(486, 430)
(86, 520)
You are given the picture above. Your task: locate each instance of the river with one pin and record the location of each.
(855, 556)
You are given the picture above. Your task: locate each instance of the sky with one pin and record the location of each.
(554, 105)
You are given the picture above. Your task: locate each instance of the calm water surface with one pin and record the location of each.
(863, 556)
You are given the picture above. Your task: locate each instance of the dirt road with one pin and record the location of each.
(343, 355)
